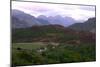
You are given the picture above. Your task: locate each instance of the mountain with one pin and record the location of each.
(43, 22)
(89, 25)
(64, 21)
(16, 23)
(22, 20)
(42, 17)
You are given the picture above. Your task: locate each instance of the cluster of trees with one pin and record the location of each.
(50, 33)
(62, 53)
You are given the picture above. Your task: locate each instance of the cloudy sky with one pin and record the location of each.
(78, 12)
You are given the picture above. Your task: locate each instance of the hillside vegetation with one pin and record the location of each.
(51, 44)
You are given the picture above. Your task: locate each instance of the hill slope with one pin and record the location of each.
(22, 20)
(89, 25)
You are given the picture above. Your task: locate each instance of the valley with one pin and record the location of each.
(51, 40)
(51, 44)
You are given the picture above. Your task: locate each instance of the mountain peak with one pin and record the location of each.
(42, 17)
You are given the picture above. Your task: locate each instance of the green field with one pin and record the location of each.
(29, 54)
(51, 45)
(29, 46)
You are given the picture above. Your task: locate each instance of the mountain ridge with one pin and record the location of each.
(88, 25)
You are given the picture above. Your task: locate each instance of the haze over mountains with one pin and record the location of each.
(64, 21)
(30, 20)
(24, 20)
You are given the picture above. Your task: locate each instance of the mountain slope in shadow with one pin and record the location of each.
(89, 25)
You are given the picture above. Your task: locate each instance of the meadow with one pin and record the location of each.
(40, 53)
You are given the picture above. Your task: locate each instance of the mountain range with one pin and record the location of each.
(22, 19)
(64, 21)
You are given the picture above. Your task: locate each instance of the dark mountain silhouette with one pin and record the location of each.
(89, 25)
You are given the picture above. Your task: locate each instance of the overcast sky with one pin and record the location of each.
(78, 12)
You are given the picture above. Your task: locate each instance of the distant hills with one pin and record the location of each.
(64, 21)
(23, 20)
(27, 28)
(89, 25)
(51, 33)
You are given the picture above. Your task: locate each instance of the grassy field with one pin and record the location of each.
(30, 54)
(29, 46)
